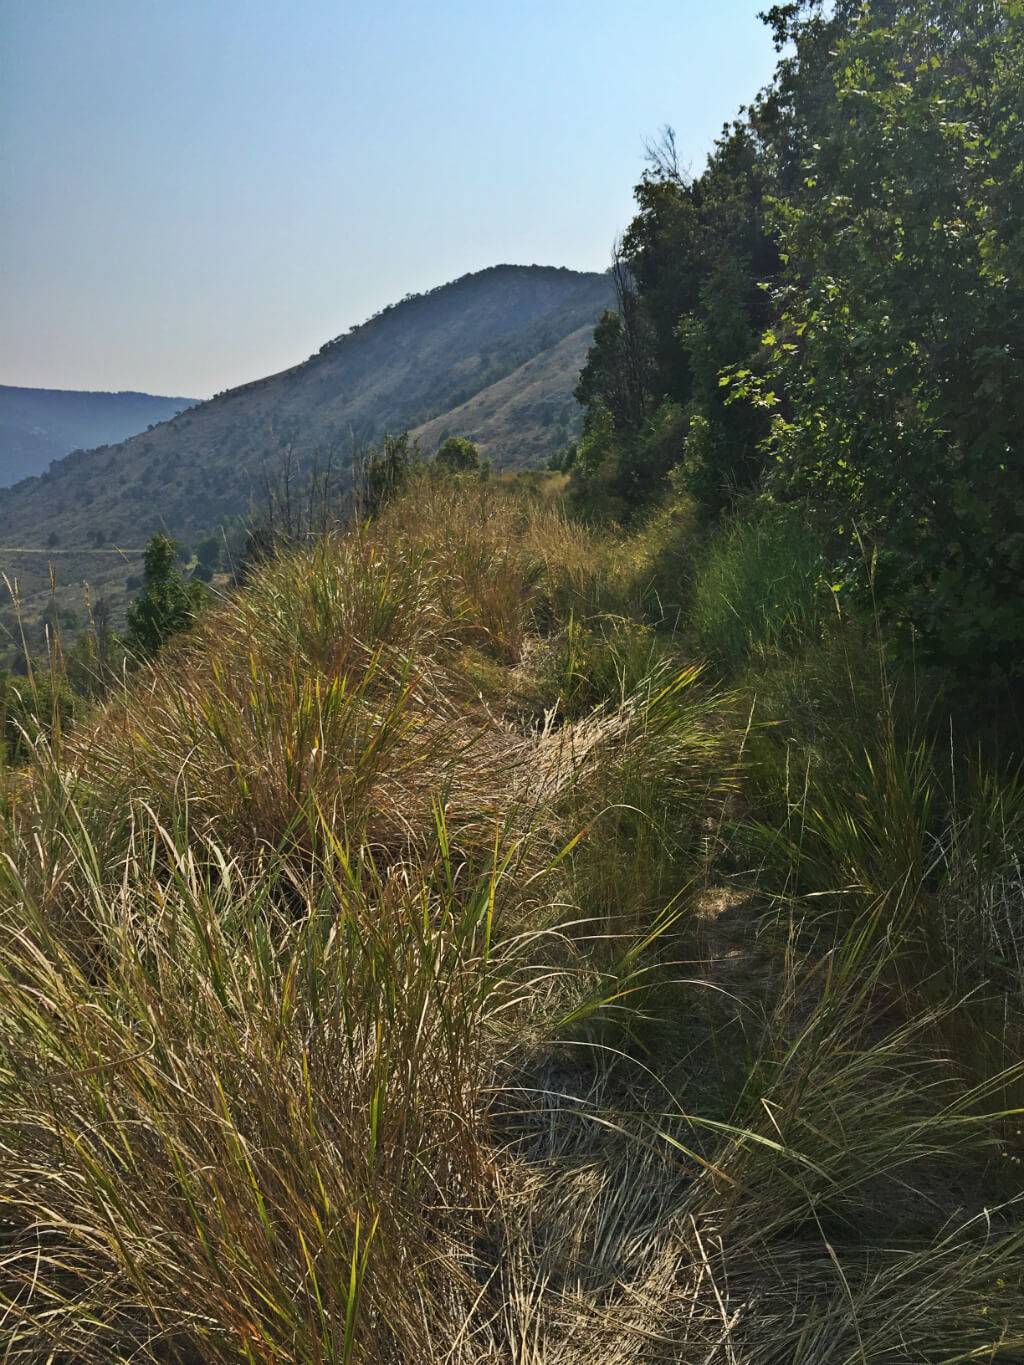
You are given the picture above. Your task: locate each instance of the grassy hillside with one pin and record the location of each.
(411, 363)
(521, 420)
(38, 426)
(508, 340)
(427, 960)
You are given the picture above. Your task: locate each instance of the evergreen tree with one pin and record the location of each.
(166, 604)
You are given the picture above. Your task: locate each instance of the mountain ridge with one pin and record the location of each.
(41, 425)
(401, 369)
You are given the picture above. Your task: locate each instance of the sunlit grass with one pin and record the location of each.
(423, 961)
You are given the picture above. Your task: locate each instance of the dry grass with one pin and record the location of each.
(354, 1011)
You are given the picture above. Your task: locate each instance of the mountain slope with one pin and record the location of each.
(38, 426)
(522, 419)
(410, 364)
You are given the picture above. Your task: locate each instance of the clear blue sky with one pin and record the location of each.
(194, 193)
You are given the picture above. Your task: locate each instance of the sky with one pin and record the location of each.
(195, 193)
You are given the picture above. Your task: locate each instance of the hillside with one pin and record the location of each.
(409, 365)
(520, 420)
(38, 426)
(574, 915)
(425, 957)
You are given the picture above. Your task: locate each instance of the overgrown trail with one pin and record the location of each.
(424, 961)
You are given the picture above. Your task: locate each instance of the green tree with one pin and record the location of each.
(688, 281)
(208, 552)
(833, 309)
(897, 361)
(387, 470)
(166, 604)
(97, 656)
(458, 455)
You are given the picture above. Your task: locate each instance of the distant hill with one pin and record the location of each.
(519, 421)
(38, 426)
(418, 364)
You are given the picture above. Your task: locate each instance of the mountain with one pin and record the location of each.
(418, 364)
(520, 420)
(38, 426)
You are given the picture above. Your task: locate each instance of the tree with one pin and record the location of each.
(897, 360)
(687, 276)
(387, 471)
(833, 312)
(208, 552)
(458, 456)
(97, 655)
(166, 604)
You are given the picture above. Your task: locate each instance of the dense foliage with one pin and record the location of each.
(833, 313)
(166, 605)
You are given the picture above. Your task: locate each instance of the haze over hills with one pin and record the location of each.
(415, 365)
(38, 426)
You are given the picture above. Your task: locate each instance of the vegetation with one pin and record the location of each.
(457, 455)
(830, 314)
(424, 960)
(488, 932)
(166, 604)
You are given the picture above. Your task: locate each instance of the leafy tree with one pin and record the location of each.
(897, 361)
(689, 301)
(208, 552)
(166, 604)
(833, 311)
(458, 455)
(97, 656)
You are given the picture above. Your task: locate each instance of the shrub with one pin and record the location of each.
(458, 455)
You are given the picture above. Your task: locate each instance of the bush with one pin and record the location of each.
(458, 456)
(38, 706)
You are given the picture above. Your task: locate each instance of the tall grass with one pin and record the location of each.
(423, 962)
(759, 587)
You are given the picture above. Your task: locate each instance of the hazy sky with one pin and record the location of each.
(194, 193)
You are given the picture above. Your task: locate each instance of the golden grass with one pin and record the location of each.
(354, 1011)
